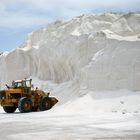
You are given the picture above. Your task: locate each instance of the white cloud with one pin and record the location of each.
(26, 13)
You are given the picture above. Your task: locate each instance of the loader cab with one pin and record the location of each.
(22, 84)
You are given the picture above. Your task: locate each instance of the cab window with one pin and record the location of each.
(19, 84)
(28, 84)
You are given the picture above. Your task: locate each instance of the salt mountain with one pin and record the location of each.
(97, 52)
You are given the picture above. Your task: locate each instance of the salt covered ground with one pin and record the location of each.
(85, 118)
(44, 126)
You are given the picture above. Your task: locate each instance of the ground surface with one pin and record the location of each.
(50, 126)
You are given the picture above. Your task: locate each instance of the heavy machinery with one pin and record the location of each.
(21, 95)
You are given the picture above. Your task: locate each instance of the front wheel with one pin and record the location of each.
(25, 105)
(45, 103)
(9, 109)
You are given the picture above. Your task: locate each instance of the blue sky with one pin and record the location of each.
(19, 17)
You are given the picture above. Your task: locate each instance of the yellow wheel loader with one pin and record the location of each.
(20, 95)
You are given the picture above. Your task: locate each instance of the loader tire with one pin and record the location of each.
(9, 109)
(45, 103)
(25, 105)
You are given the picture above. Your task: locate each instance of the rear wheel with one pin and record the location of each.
(9, 109)
(45, 103)
(25, 105)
